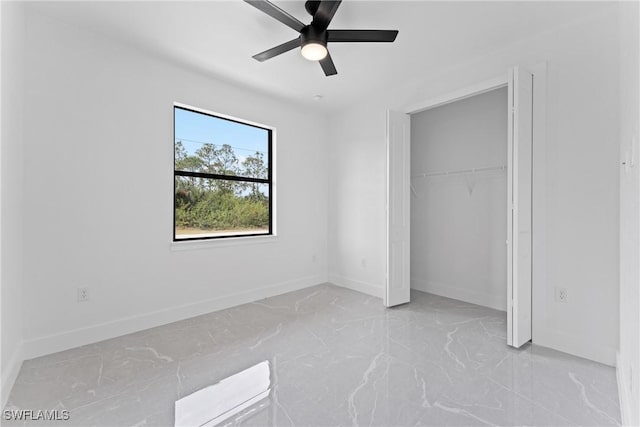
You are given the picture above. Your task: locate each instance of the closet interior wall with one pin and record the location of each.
(459, 200)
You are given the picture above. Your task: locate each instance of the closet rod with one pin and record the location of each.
(458, 172)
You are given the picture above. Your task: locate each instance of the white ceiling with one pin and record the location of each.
(219, 38)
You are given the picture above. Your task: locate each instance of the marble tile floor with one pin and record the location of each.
(322, 356)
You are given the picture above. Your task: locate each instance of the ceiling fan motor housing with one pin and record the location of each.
(310, 34)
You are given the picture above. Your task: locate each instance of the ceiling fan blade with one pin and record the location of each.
(380, 36)
(275, 12)
(275, 51)
(323, 16)
(328, 66)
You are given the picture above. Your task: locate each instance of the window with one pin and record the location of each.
(222, 177)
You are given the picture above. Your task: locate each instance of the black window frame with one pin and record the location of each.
(268, 180)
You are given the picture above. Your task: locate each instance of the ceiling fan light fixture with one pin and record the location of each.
(314, 51)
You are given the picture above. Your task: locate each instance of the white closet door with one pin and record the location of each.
(520, 180)
(398, 286)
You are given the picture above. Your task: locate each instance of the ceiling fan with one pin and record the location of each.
(314, 37)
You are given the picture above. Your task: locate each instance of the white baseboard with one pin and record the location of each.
(576, 346)
(357, 285)
(497, 302)
(625, 399)
(10, 374)
(54, 343)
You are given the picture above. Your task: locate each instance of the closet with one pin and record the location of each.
(459, 199)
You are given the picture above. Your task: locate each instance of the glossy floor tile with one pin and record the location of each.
(321, 356)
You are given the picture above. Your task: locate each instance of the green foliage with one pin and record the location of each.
(210, 204)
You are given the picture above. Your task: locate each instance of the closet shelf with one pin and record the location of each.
(459, 172)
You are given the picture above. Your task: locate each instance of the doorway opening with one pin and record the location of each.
(459, 200)
(456, 239)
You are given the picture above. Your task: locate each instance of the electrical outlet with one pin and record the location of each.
(83, 294)
(562, 295)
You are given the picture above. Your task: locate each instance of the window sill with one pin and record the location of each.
(190, 245)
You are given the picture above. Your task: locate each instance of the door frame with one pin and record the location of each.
(538, 231)
(458, 95)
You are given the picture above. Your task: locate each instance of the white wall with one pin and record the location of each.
(12, 26)
(629, 356)
(357, 199)
(98, 147)
(459, 222)
(580, 209)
